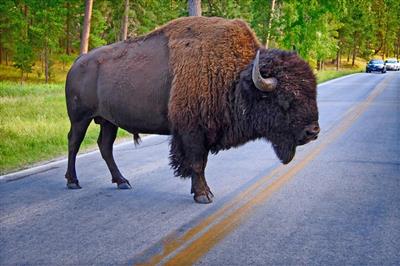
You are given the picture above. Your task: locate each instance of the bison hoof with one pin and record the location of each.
(204, 198)
(124, 186)
(73, 185)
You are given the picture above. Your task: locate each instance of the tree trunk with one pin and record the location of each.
(398, 46)
(354, 58)
(86, 27)
(46, 63)
(125, 21)
(1, 51)
(42, 61)
(68, 30)
(354, 49)
(320, 65)
(383, 51)
(194, 7)
(338, 55)
(271, 15)
(385, 39)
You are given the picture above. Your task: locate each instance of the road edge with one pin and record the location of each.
(338, 79)
(50, 164)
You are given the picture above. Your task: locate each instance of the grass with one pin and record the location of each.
(34, 122)
(57, 74)
(330, 71)
(332, 74)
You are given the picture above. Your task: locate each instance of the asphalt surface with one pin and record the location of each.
(337, 203)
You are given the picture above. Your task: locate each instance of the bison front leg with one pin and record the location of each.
(200, 189)
(189, 158)
(75, 138)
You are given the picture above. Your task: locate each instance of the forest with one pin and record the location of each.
(43, 33)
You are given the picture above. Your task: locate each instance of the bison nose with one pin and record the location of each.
(311, 131)
(308, 134)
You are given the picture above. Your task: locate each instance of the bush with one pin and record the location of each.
(24, 58)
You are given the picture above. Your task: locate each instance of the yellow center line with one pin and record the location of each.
(188, 249)
(171, 244)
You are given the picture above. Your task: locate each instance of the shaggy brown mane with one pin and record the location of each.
(215, 51)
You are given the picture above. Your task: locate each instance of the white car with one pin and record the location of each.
(392, 64)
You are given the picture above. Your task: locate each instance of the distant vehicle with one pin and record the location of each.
(392, 64)
(375, 65)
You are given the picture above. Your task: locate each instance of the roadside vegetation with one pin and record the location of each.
(330, 72)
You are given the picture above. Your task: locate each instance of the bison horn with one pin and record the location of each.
(263, 84)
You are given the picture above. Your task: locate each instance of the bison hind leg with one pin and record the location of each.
(136, 139)
(108, 133)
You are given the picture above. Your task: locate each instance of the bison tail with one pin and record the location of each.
(136, 139)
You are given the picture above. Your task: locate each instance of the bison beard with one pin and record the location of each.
(285, 151)
(192, 78)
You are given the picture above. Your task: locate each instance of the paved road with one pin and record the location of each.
(337, 203)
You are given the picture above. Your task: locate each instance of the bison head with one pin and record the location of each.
(279, 90)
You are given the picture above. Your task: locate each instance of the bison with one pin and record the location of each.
(207, 82)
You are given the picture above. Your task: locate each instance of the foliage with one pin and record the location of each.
(319, 30)
(24, 57)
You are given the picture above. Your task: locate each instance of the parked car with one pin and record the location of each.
(375, 65)
(392, 64)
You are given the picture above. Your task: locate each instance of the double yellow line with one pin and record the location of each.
(197, 241)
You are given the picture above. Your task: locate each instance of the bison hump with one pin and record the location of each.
(206, 58)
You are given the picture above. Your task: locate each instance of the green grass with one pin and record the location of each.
(326, 75)
(57, 74)
(34, 124)
(330, 71)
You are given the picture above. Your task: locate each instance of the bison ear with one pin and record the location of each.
(284, 101)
